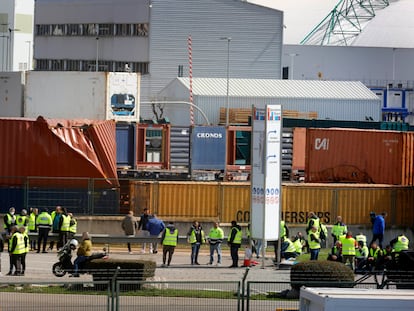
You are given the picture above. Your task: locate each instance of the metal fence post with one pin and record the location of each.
(246, 272)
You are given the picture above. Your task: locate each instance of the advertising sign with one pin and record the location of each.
(266, 172)
(208, 148)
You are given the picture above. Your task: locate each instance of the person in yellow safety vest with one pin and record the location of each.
(234, 240)
(32, 226)
(22, 220)
(361, 254)
(288, 249)
(314, 243)
(298, 245)
(169, 240)
(374, 255)
(400, 243)
(215, 238)
(44, 224)
(348, 249)
(313, 221)
(196, 238)
(9, 220)
(336, 252)
(283, 232)
(73, 226)
(16, 249)
(339, 228)
(23, 232)
(64, 229)
(361, 237)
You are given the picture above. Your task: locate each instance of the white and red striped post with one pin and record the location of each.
(190, 76)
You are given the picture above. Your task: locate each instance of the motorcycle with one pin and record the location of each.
(65, 265)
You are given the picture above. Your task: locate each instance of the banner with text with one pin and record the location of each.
(266, 172)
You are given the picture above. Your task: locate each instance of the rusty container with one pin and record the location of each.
(299, 149)
(54, 152)
(351, 155)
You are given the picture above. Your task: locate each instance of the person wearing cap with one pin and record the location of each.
(44, 224)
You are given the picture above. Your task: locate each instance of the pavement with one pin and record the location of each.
(39, 267)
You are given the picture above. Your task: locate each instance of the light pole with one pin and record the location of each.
(97, 55)
(28, 57)
(228, 39)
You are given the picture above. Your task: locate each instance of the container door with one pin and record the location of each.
(180, 147)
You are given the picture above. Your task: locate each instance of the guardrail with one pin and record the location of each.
(108, 239)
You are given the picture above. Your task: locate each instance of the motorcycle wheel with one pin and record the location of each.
(58, 270)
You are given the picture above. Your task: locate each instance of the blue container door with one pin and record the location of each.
(125, 145)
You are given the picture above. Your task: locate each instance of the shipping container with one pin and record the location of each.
(153, 146)
(54, 148)
(75, 95)
(363, 156)
(208, 148)
(11, 94)
(227, 201)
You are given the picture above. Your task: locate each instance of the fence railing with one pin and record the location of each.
(121, 295)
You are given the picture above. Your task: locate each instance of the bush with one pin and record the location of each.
(321, 274)
(123, 270)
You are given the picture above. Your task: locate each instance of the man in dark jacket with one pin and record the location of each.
(378, 229)
(234, 240)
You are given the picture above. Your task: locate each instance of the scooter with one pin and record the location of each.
(65, 265)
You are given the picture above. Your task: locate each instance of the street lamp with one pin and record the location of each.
(228, 39)
(28, 57)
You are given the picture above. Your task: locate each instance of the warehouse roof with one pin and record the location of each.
(277, 88)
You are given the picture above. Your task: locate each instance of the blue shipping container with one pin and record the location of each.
(208, 148)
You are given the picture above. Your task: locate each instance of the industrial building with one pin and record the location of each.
(156, 37)
(333, 100)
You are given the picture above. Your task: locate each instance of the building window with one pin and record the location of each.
(93, 29)
(89, 65)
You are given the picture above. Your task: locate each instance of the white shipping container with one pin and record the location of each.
(11, 94)
(345, 299)
(82, 95)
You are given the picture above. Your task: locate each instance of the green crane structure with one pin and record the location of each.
(345, 22)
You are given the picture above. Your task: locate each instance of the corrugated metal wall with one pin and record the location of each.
(255, 47)
(355, 110)
(231, 201)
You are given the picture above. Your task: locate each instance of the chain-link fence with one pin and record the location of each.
(81, 196)
(153, 295)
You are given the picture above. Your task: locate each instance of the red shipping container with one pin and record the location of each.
(352, 155)
(57, 149)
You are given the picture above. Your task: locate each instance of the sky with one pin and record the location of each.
(300, 16)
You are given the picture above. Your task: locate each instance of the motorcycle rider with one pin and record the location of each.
(84, 252)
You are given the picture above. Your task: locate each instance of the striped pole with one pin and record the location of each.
(190, 76)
